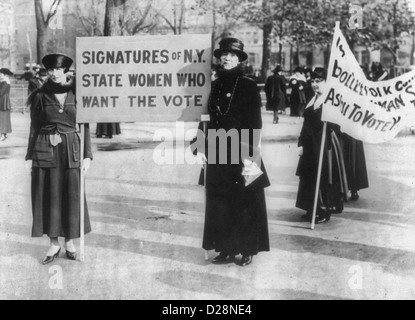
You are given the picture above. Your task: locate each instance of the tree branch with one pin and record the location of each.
(53, 9)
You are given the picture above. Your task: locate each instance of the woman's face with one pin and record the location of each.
(229, 60)
(316, 85)
(57, 75)
(2, 77)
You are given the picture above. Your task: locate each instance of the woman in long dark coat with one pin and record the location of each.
(333, 184)
(54, 148)
(275, 91)
(297, 96)
(5, 106)
(236, 214)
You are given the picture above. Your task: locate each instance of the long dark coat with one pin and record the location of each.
(333, 185)
(298, 98)
(236, 215)
(355, 162)
(56, 166)
(5, 107)
(275, 91)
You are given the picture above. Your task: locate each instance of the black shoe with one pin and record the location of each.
(246, 260)
(71, 255)
(355, 196)
(99, 136)
(322, 219)
(223, 257)
(49, 259)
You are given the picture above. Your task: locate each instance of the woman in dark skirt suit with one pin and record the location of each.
(275, 91)
(54, 148)
(333, 184)
(5, 106)
(236, 214)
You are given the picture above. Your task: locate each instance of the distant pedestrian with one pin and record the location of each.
(309, 92)
(378, 72)
(5, 105)
(297, 96)
(276, 90)
(108, 130)
(54, 148)
(38, 80)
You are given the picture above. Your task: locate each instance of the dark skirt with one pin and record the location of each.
(333, 184)
(355, 161)
(5, 122)
(236, 222)
(56, 199)
(108, 129)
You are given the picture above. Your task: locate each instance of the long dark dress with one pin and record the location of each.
(108, 129)
(355, 162)
(297, 97)
(275, 91)
(333, 185)
(5, 108)
(236, 215)
(56, 166)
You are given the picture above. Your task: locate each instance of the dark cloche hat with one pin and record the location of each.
(231, 45)
(6, 71)
(57, 60)
(319, 73)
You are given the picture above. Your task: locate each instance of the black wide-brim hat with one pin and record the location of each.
(6, 71)
(231, 45)
(57, 60)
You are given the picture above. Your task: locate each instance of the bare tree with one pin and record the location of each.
(42, 24)
(90, 15)
(114, 18)
(176, 21)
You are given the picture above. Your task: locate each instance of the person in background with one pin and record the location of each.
(378, 72)
(297, 97)
(333, 186)
(249, 70)
(108, 130)
(309, 93)
(236, 214)
(276, 90)
(54, 149)
(38, 80)
(5, 106)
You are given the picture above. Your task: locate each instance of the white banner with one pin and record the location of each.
(373, 112)
(143, 78)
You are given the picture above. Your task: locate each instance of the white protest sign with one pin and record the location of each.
(373, 112)
(143, 78)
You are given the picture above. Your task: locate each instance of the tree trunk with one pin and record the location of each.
(266, 51)
(114, 18)
(41, 27)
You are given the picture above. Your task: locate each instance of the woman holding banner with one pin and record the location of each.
(333, 184)
(236, 214)
(54, 148)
